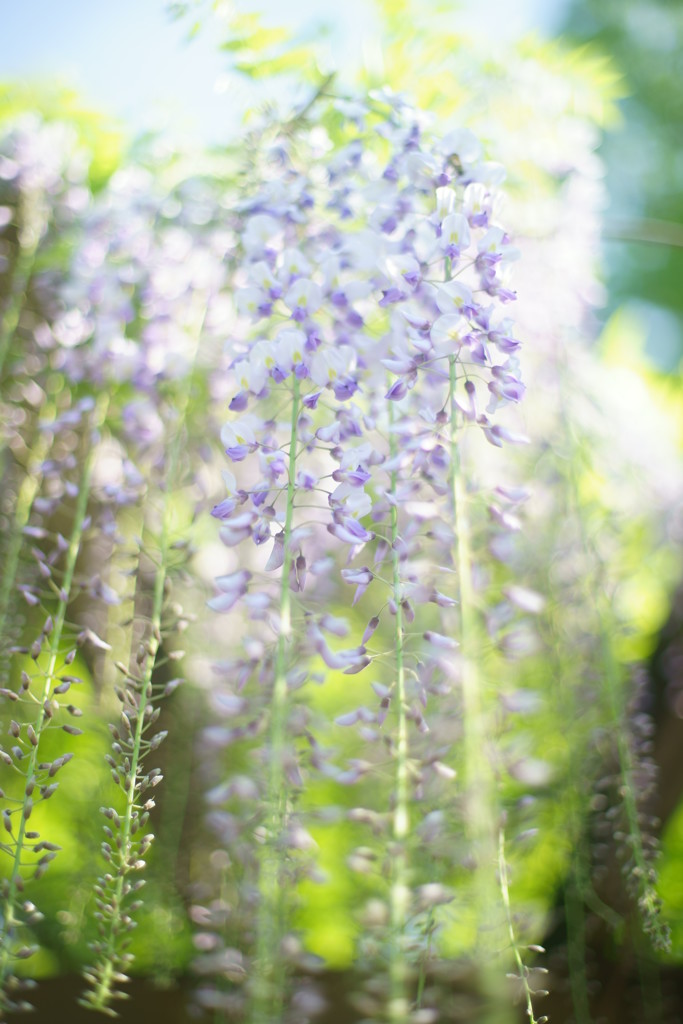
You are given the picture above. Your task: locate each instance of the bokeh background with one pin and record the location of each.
(136, 64)
(189, 74)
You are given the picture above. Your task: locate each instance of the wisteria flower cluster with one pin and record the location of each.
(272, 399)
(101, 442)
(372, 290)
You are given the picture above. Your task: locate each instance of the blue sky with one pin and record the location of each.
(126, 57)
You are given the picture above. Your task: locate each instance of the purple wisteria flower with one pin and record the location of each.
(368, 342)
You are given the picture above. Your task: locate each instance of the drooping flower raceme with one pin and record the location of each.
(370, 294)
(108, 354)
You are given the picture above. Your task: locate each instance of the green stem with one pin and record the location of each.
(505, 892)
(300, 115)
(399, 1007)
(103, 993)
(22, 510)
(477, 783)
(20, 279)
(477, 813)
(9, 916)
(171, 828)
(107, 970)
(578, 887)
(422, 975)
(268, 980)
(480, 806)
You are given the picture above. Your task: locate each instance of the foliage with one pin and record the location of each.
(644, 253)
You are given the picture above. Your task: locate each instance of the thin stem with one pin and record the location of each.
(477, 814)
(29, 237)
(578, 887)
(301, 114)
(422, 976)
(103, 993)
(578, 883)
(645, 229)
(476, 797)
(505, 893)
(480, 811)
(177, 796)
(268, 981)
(22, 510)
(43, 719)
(129, 849)
(400, 893)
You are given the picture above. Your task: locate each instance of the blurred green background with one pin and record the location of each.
(136, 67)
